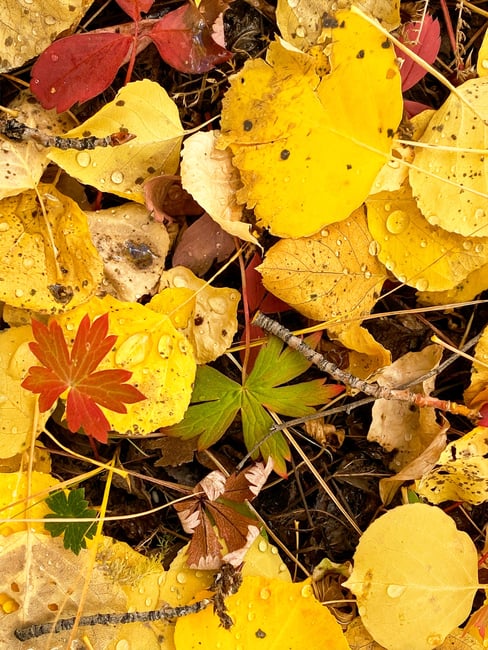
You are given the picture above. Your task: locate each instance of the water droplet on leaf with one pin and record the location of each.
(397, 222)
(83, 158)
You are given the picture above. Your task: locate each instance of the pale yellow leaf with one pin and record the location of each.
(331, 276)
(482, 62)
(17, 405)
(160, 358)
(290, 128)
(29, 26)
(365, 354)
(145, 109)
(450, 186)
(461, 473)
(396, 426)
(415, 576)
(479, 371)
(416, 252)
(214, 321)
(469, 288)
(49, 263)
(133, 248)
(40, 581)
(393, 173)
(22, 163)
(209, 176)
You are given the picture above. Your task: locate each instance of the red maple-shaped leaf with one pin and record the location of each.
(221, 503)
(87, 389)
(134, 8)
(65, 72)
(184, 40)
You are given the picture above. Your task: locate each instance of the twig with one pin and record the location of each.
(373, 389)
(164, 613)
(15, 130)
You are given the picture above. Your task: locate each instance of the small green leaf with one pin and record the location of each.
(74, 506)
(216, 401)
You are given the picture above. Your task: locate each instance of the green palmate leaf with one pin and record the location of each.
(73, 506)
(216, 400)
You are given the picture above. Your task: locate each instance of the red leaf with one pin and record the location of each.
(77, 68)
(87, 389)
(134, 8)
(423, 39)
(184, 41)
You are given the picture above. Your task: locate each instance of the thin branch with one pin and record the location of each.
(373, 389)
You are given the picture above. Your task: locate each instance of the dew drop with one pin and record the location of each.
(423, 243)
(390, 265)
(199, 574)
(263, 545)
(397, 222)
(324, 232)
(49, 20)
(165, 346)
(478, 248)
(133, 350)
(218, 305)
(3, 399)
(83, 158)
(54, 58)
(435, 639)
(394, 164)
(123, 644)
(395, 591)
(148, 602)
(282, 568)
(387, 207)
(265, 593)
(434, 220)
(19, 293)
(251, 616)
(293, 3)
(374, 248)
(345, 271)
(161, 579)
(402, 278)
(422, 284)
(306, 591)
(301, 32)
(179, 281)
(117, 177)
(479, 213)
(339, 242)
(27, 262)
(4, 226)
(181, 578)
(274, 550)
(467, 244)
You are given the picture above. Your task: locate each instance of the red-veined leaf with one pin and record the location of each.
(184, 41)
(65, 72)
(134, 8)
(87, 390)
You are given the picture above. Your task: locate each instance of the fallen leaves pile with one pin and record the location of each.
(119, 321)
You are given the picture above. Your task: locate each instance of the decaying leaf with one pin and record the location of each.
(27, 28)
(41, 581)
(414, 577)
(221, 501)
(22, 496)
(476, 393)
(144, 109)
(208, 174)
(22, 163)
(160, 358)
(330, 276)
(49, 263)
(257, 612)
(17, 406)
(289, 128)
(396, 426)
(461, 473)
(418, 253)
(133, 248)
(450, 186)
(213, 322)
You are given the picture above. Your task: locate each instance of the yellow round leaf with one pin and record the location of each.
(145, 109)
(17, 405)
(330, 276)
(451, 186)
(49, 263)
(267, 614)
(416, 252)
(321, 141)
(160, 358)
(415, 576)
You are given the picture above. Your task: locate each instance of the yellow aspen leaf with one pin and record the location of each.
(49, 263)
(461, 472)
(208, 175)
(214, 321)
(471, 286)
(450, 186)
(365, 354)
(53, 587)
(22, 497)
(144, 109)
(418, 253)
(330, 276)
(320, 141)
(160, 358)
(259, 622)
(415, 576)
(22, 163)
(17, 406)
(482, 63)
(26, 29)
